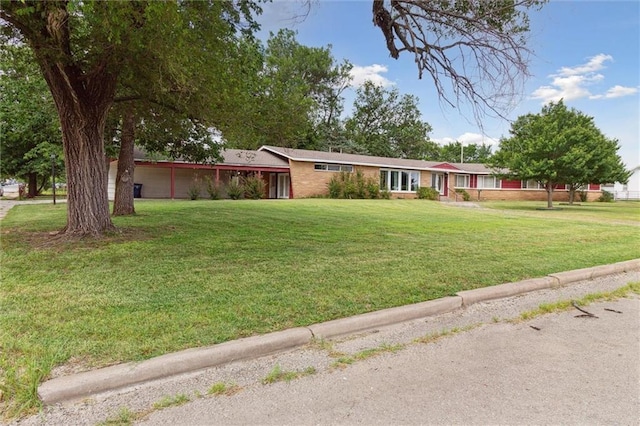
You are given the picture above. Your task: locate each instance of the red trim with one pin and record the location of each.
(511, 184)
(212, 167)
(173, 183)
(446, 166)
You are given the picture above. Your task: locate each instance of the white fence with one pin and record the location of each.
(626, 195)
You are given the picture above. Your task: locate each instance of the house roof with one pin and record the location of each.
(241, 157)
(273, 156)
(368, 160)
(230, 157)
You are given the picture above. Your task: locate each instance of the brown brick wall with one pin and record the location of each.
(525, 195)
(308, 182)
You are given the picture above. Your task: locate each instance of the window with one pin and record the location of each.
(399, 180)
(488, 182)
(462, 181)
(330, 167)
(531, 184)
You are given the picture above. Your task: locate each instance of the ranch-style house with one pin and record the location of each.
(299, 173)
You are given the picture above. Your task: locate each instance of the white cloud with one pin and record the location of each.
(617, 91)
(370, 73)
(571, 83)
(596, 63)
(468, 139)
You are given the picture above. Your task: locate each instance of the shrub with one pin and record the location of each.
(353, 185)
(606, 197)
(194, 189)
(465, 194)
(335, 188)
(254, 187)
(235, 189)
(583, 196)
(373, 189)
(426, 193)
(385, 194)
(212, 188)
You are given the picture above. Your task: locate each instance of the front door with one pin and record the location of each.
(437, 182)
(283, 185)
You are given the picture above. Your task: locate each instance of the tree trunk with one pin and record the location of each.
(83, 92)
(33, 185)
(572, 194)
(123, 200)
(87, 202)
(549, 188)
(83, 104)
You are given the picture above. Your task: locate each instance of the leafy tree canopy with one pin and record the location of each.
(89, 50)
(558, 146)
(28, 122)
(386, 124)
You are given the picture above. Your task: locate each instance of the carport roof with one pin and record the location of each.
(230, 157)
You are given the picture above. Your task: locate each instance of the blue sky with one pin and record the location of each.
(586, 52)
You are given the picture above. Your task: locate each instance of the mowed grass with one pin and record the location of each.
(191, 273)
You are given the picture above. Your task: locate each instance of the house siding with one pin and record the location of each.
(308, 182)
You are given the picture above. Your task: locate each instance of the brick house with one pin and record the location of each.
(299, 173)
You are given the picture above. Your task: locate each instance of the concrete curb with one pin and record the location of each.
(77, 386)
(370, 320)
(118, 376)
(470, 297)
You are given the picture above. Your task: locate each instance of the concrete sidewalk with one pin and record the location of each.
(6, 205)
(78, 386)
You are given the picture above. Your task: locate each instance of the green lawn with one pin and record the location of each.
(193, 273)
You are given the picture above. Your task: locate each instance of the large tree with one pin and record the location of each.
(456, 152)
(84, 48)
(293, 94)
(387, 124)
(28, 121)
(473, 50)
(558, 146)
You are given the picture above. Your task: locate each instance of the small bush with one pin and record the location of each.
(385, 194)
(373, 189)
(235, 190)
(195, 188)
(426, 193)
(465, 194)
(606, 197)
(254, 187)
(335, 188)
(212, 188)
(353, 186)
(583, 196)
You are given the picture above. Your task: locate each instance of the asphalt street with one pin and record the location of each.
(566, 370)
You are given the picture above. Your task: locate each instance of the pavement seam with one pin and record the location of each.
(77, 386)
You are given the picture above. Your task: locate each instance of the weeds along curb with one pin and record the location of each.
(77, 386)
(80, 385)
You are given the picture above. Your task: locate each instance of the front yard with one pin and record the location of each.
(192, 273)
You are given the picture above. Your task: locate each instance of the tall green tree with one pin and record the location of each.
(293, 94)
(28, 122)
(558, 146)
(385, 123)
(85, 48)
(454, 152)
